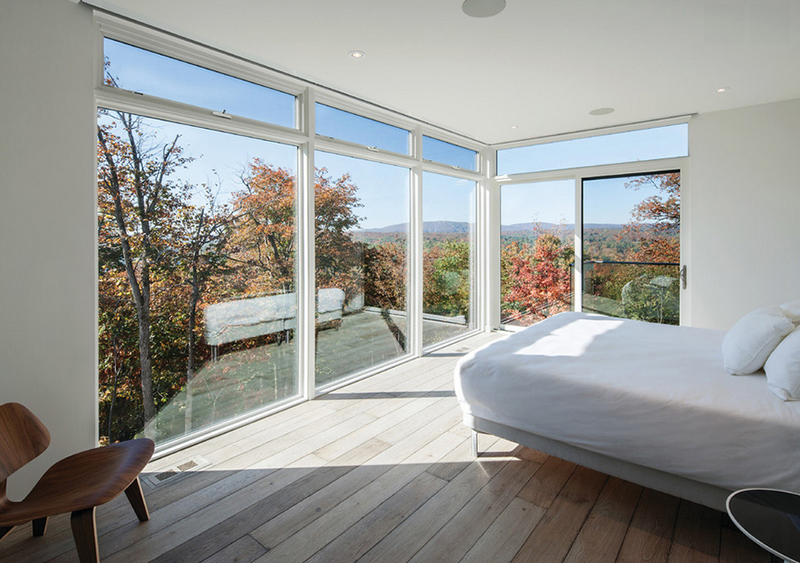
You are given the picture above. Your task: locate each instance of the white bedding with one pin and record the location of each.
(649, 394)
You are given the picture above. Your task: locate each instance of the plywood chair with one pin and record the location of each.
(76, 484)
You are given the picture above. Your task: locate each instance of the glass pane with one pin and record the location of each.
(156, 75)
(537, 250)
(645, 144)
(338, 124)
(631, 247)
(447, 153)
(361, 254)
(196, 318)
(448, 215)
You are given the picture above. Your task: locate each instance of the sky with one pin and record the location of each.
(605, 200)
(220, 158)
(629, 146)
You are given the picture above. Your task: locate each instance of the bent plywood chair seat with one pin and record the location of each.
(76, 484)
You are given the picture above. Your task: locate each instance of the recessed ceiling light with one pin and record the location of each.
(357, 54)
(483, 8)
(601, 111)
(723, 89)
(513, 126)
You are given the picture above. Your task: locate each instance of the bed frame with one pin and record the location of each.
(695, 491)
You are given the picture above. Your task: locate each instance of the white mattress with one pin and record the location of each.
(650, 394)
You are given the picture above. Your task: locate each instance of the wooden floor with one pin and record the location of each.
(381, 471)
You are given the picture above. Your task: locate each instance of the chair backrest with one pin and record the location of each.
(22, 438)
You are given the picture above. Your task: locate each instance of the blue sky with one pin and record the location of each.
(219, 158)
(445, 198)
(605, 200)
(629, 146)
(157, 75)
(382, 188)
(546, 202)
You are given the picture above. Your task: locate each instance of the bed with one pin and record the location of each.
(648, 403)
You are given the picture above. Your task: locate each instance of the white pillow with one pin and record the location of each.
(792, 310)
(749, 343)
(783, 368)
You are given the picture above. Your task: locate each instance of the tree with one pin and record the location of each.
(137, 201)
(339, 259)
(656, 220)
(538, 280)
(446, 278)
(385, 275)
(263, 237)
(650, 292)
(202, 254)
(264, 231)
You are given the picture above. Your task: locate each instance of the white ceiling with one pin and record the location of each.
(541, 66)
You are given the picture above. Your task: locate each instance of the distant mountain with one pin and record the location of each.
(460, 227)
(527, 227)
(427, 227)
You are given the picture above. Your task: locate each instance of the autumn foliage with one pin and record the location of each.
(536, 277)
(168, 249)
(536, 281)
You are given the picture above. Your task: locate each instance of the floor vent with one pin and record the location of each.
(174, 471)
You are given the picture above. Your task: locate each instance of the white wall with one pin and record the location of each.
(47, 222)
(745, 211)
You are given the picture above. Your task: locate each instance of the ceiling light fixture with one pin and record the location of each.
(357, 54)
(723, 89)
(601, 111)
(513, 126)
(483, 8)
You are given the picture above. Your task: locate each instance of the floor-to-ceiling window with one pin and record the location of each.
(361, 241)
(448, 267)
(196, 250)
(537, 231)
(257, 248)
(194, 304)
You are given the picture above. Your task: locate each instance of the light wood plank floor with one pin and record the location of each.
(381, 471)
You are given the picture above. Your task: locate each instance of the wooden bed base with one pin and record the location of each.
(695, 491)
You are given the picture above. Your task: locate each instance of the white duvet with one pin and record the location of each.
(650, 394)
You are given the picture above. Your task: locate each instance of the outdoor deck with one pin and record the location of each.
(381, 471)
(244, 380)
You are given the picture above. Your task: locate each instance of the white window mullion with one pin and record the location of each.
(577, 271)
(415, 250)
(306, 303)
(488, 255)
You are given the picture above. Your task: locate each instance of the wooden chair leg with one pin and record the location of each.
(136, 498)
(39, 526)
(85, 533)
(4, 530)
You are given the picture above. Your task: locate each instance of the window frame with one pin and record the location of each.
(453, 166)
(304, 138)
(578, 175)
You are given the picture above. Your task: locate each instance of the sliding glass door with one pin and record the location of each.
(631, 246)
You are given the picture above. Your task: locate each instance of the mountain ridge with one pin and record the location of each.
(463, 227)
